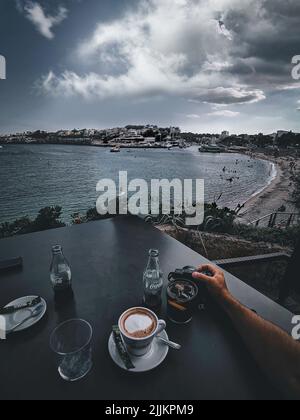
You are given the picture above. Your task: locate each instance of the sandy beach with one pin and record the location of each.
(275, 195)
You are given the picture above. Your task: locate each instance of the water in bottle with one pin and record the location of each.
(60, 271)
(153, 282)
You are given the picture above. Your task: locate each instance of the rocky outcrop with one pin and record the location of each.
(220, 246)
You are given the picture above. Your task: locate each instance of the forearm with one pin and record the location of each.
(275, 351)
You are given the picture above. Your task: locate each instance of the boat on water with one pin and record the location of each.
(169, 146)
(213, 148)
(116, 149)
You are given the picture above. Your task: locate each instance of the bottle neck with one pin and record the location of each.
(153, 262)
(57, 250)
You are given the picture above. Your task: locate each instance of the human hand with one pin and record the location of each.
(216, 283)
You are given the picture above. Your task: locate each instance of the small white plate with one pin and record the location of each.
(13, 319)
(150, 361)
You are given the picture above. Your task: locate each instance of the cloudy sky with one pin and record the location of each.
(204, 65)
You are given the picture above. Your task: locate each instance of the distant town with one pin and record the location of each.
(151, 136)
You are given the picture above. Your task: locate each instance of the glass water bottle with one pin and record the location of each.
(60, 271)
(153, 282)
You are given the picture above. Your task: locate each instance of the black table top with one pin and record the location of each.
(107, 260)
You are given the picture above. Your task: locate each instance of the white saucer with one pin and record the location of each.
(150, 361)
(13, 319)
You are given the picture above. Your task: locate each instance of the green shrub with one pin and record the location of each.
(217, 220)
(90, 216)
(47, 218)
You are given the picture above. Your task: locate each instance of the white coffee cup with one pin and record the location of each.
(139, 346)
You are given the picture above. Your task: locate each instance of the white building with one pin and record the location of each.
(224, 135)
(150, 140)
(281, 133)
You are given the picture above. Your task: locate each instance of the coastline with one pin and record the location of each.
(272, 180)
(274, 195)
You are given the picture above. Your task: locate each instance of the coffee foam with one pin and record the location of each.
(139, 323)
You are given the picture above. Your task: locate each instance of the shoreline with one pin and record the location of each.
(273, 196)
(272, 179)
(82, 144)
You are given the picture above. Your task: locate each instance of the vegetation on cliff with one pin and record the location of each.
(217, 220)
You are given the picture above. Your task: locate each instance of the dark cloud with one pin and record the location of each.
(266, 37)
(231, 53)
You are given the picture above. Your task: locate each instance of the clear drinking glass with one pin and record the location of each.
(72, 342)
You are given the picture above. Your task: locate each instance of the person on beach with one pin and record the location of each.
(275, 351)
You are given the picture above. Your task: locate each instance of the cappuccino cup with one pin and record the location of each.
(138, 327)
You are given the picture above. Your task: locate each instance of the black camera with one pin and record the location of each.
(186, 273)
